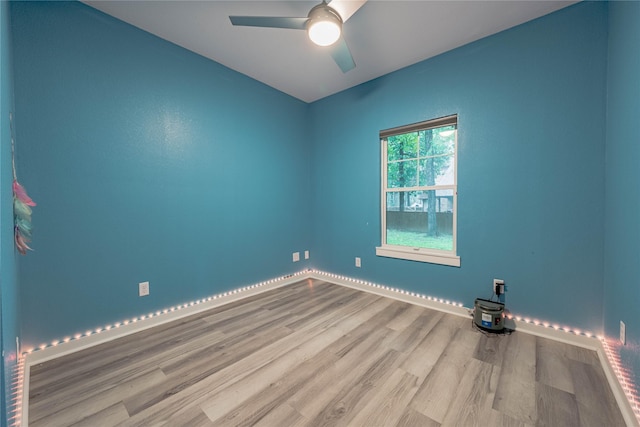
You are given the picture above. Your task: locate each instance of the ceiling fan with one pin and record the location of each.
(323, 25)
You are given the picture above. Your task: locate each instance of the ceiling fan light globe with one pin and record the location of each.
(324, 26)
(324, 33)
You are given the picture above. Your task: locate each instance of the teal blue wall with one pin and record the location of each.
(148, 163)
(622, 227)
(9, 313)
(531, 113)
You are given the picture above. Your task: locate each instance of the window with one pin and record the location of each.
(419, 192)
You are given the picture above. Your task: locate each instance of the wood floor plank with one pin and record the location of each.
(515, 395)
(266, 328)
(580, 354)
(355, 351)
(313, 294)
(552, 365)
(596, 403)
(375, 323)
(193, 373)
(473, 400)
(283, 389)
(351, 307)
(403, 320)
(110, 416)
(555, 407)
(317, 393)
(216, 406)
(315, 353)
(414, 333)
(497, 418)
(491, 348)
(81, 387)
(192, 417)
(413, 418)
(61, 414)
(283, 415)
(386, 405)
(348, 401)
(275, 394)
(437, 392)
(425, 354)
(291, 305)
(105, 358)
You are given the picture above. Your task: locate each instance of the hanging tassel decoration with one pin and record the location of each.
(22, 217)
(21, 206)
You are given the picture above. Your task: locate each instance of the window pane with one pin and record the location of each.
(434, 142)
(420, 219)
(437, 170)
(402, 174)
(403, 146)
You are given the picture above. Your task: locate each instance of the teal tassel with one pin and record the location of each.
(21, 205)
(24, 227)
(21, 210)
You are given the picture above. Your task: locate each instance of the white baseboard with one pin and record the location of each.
(397, 294)
(450, 307)
(630, 416)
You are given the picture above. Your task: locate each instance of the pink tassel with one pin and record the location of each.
(21, 244)
(21, 194)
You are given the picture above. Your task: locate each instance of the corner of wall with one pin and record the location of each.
(9, 319)
(622, 198)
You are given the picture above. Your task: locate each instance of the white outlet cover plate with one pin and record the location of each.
(306, 254)
(143, 289)
(358, 262)
(623, 333)
(296, 256)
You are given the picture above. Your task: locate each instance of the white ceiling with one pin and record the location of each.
(384, 35)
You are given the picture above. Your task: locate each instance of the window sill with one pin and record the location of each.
(411, 255)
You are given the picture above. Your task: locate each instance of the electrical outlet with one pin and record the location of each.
(498, 285)
(623, 333)
(296, 256)
(358, 262)
(306, 254)
(143, 289)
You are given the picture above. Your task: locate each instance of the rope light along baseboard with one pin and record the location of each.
(386, 288)
(622, 374)
(157, 313)
(536, 322)
(14, 411)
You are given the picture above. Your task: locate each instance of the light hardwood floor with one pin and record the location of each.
(318, 354)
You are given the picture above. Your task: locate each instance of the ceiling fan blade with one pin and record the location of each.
(269, 21)
(342, 55)
(346, 8)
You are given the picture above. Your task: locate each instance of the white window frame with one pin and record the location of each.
(434, 256)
